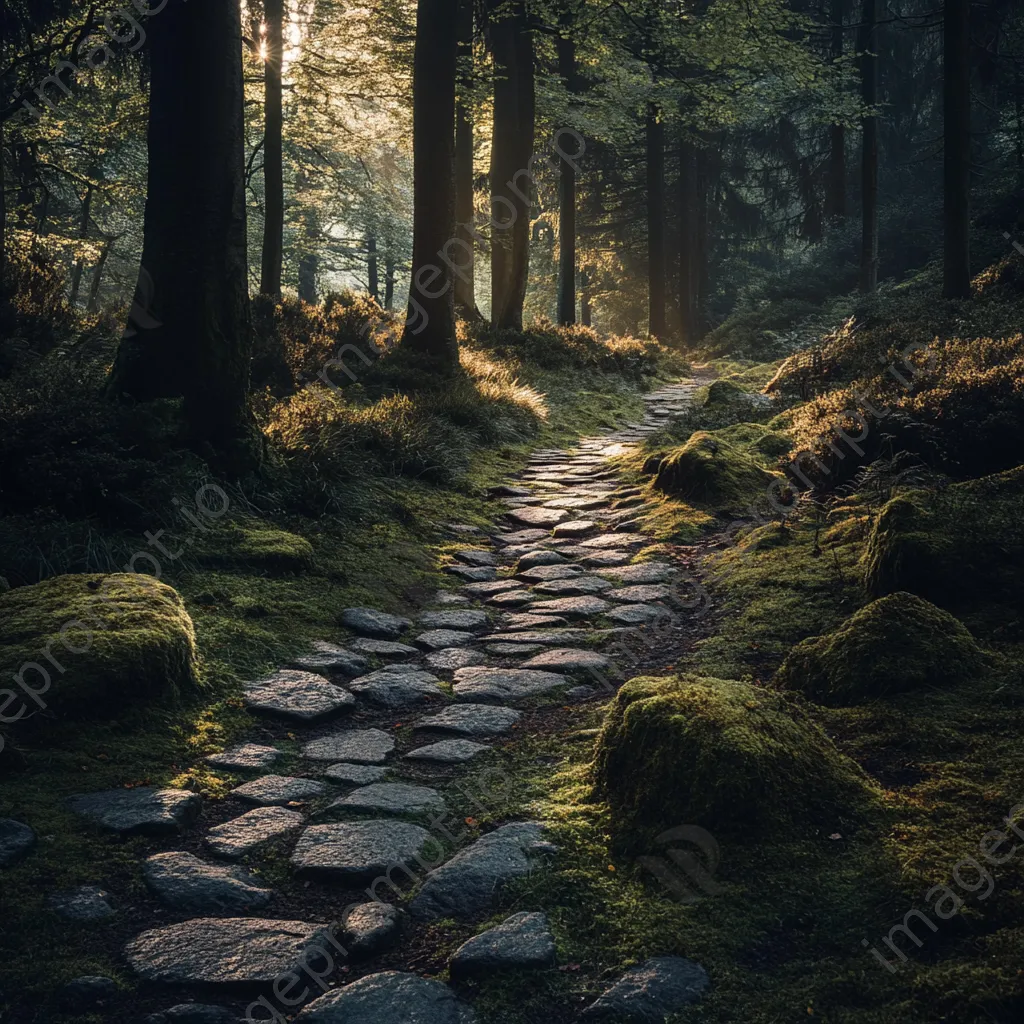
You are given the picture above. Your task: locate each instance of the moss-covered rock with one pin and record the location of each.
(725, 755)
(712, 472)
(257, 547)
(757, 439)
(104, 642)
(897, 643)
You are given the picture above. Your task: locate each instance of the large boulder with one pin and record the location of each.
(897, 643)
(720, 754)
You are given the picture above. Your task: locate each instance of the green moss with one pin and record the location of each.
(256, 547)
(721, 754)
(896, 643)
(119, 639)
(757, 439)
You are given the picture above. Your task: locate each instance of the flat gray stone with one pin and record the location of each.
(472, 573)
(638, 614)
(581, 693)
(448, 597)
(576, 503)
(272, 790)
(391, 798)
(375, 623)
(184, 882)
(222, 950)
(474, 556)
(513, 650)
(470, 883)
(503, 684)
(600, 559)
(16, 840)
(328, 657)
(448, 751)
(390, 997)
(650, 992)
(537, 515)
(357, 851)
(450, 658)
(553, 637)
(86, 903)
(370, 928)
(574, 586)
(571, 607)
(525, 620)
(537, 557)
(642, 572)
(546, 573)
(569, 659)
(145, 810)
(508, 491)
(364, 746)
(575, 528)
(438, 639)
(356, 774)
(520, 942)
(248, 756)
(491, 587)
(398, 687)
(303, 696)
(524, 536)
(239, 836)
(616, 540)
(383, 648)
(510, 599)
(472, 720)
(457, 618)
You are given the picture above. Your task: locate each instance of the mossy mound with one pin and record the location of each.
(897, 643)
(711, 472)
(104, 642)
(725, 755)
(257, 547)
(757, 439)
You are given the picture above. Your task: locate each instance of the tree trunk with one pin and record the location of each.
(585, 309)
(83, 234)
(687, 317)
(430, 326)
(956, 169)
(869, 149)
(465, 290)
(701, 271)
(511, 150)
(97, 277)
(273, 156)
(371, 268)
(191, 333)
(567, 189)
(835, 196)
(655, 223)
(389, 281)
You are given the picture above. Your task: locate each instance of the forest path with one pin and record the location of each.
(556, 608)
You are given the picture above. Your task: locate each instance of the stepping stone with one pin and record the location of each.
(510, 599)
(272, 790)
(239, 836)
(472, 573)
(364, 746)
(572, 607)
(491, 587)
(398, 687)
(524, 536)
(576, 528)
(184, 882)
(357, 774)
(328, 657)
(616, 540)
(371, 622)
(556, 637)
(503, 684)
(383, 648)
(643, 572)
(581, 693)
(574, 586)
(223, 950)
(391, 798)
(448, 751)
(16, 840)
(471, 882)
(538, 516)
(462, 528)
(304, 696)
(649, 993)
(474, 557)
(438, 639)
(513, 650)
(391, 997)
(641, 593)
(145, 810)
(575, 503)
(472, 720)
(599, 559)
(85, 992)
(86, 903)
(451, 658)
(369, 928)
(521, 941)
(639, 614)
(538, 557)
(465, 619)
(357, 851)
(508, 491)
(524, 620)
(569, 659)
(247, 756)
(545, 573)
(448, 597)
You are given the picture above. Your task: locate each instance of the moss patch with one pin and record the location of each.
(257, 547)
(897, 643)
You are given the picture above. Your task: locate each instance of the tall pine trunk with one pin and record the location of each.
(273, 155)
(835, 193)
(566, 313)
(700, 269)
(867, 45)
(389, 281)
(373, 277)
(687, 318)
(430, 326)
(465, 289)
(655, 223)
(956, 161)
(191, 333)
(83, 234)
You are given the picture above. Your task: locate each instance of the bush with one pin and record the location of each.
(895, 644)
(733, 758)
